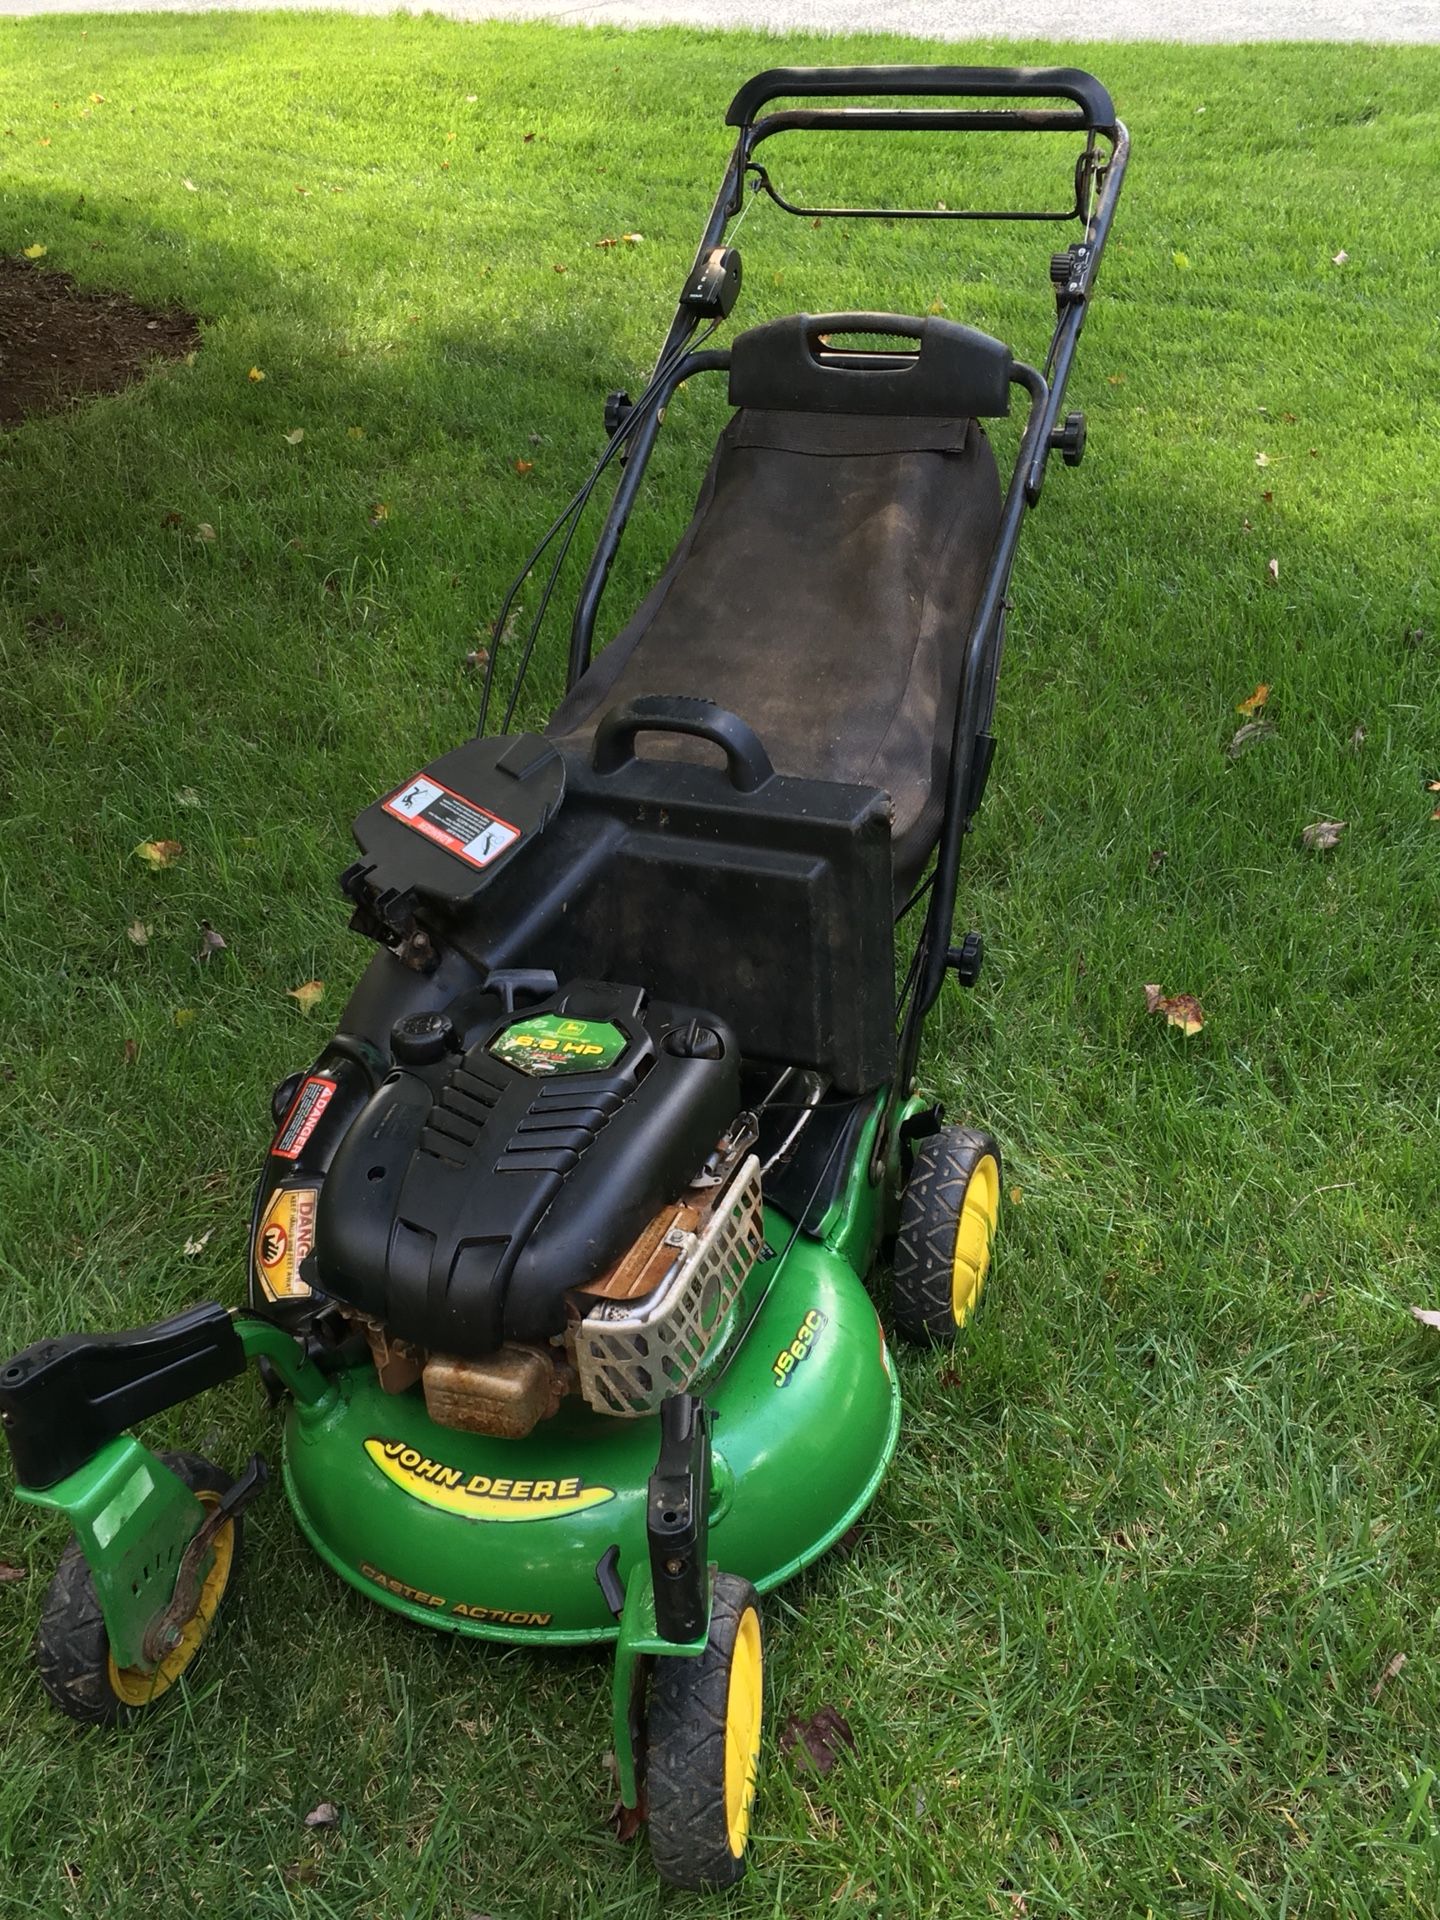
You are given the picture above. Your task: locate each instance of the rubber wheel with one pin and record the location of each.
(72, 1647)
(703, 1746)
(948, 1215)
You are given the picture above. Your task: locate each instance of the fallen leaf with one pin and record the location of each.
(524, 466)
(528, 138)
(1181, 260)
(192, 1247)
(1247, 735)
(1262, 459)
(1116, 379)
(304, 192)
(819, 1741)
(1436, 814)
(477, 657)
(1158, 857)
(188, 797)
(130, 1052)
(378, 512)
(37, 252)
(189, 186)
(1321, 835)
(1339, 259)
(936, 306)
(1253, 702)
(160, 853)
(211, 942)
(255, 374)
(173, 519)
(183, 1016)
(632, 239)
(205, 531)
(609, 241)
(1180, 1010)
(97, 99)
(1432, 786)
(471, 98)
(1392, 1668)
(327, 1814)
(295, 436)
(559, 268)
(308, 995)
(45, 141)
(1272, 567)
(1427, 1316)
(355, 433)
(1016, 1196)
(138, 933)
(1268, 495)
(1357, 739)
(536, 439)
(626, 1823)
(9, 1574)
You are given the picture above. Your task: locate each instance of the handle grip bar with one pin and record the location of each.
(987, 83)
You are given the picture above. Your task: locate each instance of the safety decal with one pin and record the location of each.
(477, 1496)
(549, 1043)
(316, 1093)
(471, 833)
(287, 1233)
(799, 1349)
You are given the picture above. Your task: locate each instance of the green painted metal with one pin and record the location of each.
(500, 1539)
(133, 1518)
(262, 1339)
(639, 1638)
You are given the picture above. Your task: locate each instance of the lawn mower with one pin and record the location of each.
(559, 1253)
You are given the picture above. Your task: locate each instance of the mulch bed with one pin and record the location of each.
(58, 344)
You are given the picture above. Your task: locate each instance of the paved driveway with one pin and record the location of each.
(932, 19)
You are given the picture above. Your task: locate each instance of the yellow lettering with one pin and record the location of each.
(544, 1489)
(566, 1489)
(523, 1489)
(501, 1489)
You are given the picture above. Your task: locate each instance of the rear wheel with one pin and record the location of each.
(948, 1215)
(703, 1746)
(72, 1646)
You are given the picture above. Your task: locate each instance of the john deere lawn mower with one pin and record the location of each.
(560, 1247)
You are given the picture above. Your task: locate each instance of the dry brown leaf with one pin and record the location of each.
(1158, 857)
(528, 138)
(295, 436)
(1392, 1668)
(211, 942)
(308, 995)
(1247, 735)
(159, 853)
(1262, 459)
(205, 531)
(1016, 1196)
(626, 1823)
(130, 1052)
(256, 375)
(1268, 495)
(183, 1016)
(327, 1814)
(1339, 259)
(1427, 1316)
(524, 466)
(173, 519)
(1357, 739)
(819, 1741)
(192, 1247)
(355, 433)
(1256, 700)
(632, 239)
(189, 186)
(1180, 1010)
(138, 933)
(1321, 835)
(379, 512)
(9, 1574)
(608, 241)
(1272, 567)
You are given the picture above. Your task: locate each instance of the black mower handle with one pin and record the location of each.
(748, 762)
(977, 83)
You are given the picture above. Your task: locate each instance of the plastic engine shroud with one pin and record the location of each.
(471, 1191)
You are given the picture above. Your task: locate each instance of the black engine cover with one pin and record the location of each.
(475, 1187)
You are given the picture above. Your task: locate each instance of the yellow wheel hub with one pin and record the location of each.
(742, 1730)
(138, 1686)
(974, 1237)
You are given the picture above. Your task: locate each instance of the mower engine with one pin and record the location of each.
(529, 1204)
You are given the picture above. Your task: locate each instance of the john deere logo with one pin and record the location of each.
(478, 1496)
(549, 1043)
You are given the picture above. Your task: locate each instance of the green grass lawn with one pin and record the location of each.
(1114, 1641)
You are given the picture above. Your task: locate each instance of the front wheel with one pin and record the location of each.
(72, 1646)
(948, 1215)
(703, 1746)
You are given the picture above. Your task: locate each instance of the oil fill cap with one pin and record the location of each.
(420, 1039)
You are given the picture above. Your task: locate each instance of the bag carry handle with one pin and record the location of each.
(976, 83)
(747, 761)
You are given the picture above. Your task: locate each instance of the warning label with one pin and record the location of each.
(287, 1233)
(452, 821)
(304, 1116)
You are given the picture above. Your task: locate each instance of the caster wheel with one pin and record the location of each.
(72, 1647)
(948, 1214)
(703, 1746)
